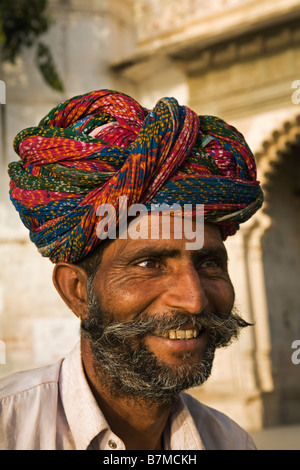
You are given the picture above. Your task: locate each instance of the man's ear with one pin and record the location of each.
(70, 282)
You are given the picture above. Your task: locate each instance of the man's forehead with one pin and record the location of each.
(158, 226)
(175, 239)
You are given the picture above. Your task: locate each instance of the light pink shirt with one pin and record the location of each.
(53, 408)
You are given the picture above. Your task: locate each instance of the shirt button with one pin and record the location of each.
(112, 444)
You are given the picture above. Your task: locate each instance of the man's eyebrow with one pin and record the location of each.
(153, 252)
(219, 251)
(173, 253)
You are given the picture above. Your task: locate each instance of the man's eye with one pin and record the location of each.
(212, 264)
(149, 263)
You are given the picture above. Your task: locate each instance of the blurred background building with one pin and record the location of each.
(237, 59)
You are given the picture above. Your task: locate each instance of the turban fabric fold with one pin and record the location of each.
(95, 147)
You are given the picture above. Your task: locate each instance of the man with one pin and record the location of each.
(153, 308)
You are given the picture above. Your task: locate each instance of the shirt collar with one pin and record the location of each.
(83, 414)
(182, 433)
(86, 420)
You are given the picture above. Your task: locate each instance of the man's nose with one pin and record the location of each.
(186, 292)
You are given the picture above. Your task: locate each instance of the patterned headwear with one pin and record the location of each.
(98, 146)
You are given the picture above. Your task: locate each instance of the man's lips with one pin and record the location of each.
(182, 333)
(181, 340)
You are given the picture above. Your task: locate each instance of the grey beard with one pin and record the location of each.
(129, 369)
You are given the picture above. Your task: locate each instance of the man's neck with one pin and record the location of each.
(138, 423)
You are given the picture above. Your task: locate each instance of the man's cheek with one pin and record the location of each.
(220, 294)
(127, 305)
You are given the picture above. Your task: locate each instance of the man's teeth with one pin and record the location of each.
(181, 334)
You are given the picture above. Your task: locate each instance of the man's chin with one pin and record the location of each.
(150, 379)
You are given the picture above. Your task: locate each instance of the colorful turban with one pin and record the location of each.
(98, 146)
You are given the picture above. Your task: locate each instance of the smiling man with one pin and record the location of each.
(153, 309)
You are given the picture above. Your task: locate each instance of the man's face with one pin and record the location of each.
(155, 314)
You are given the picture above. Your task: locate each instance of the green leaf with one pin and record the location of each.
(47, 67)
